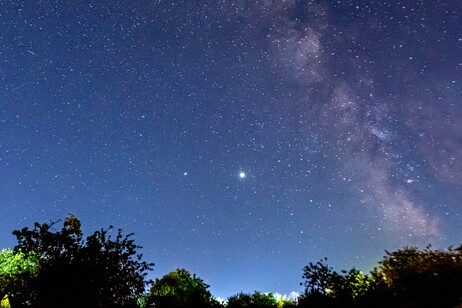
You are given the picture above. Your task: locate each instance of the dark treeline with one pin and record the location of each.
(62, 269)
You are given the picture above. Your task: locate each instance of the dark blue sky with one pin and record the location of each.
(344, 116)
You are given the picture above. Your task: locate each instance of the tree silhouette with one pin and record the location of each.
(324, 287)
(406, 278)
(318, 277)
(180, 289)
(413, 278)
(72, 272)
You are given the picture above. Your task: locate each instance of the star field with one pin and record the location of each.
(237, 139)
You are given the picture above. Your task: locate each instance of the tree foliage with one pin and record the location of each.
(180, 289)
(318, 278)
(410, 277)
(17, 263)
(5, 302)
(100, 271)
(256, 300)
(285, 303)
(324, 287)
(16, 271)
(60, 268)
(406, 278)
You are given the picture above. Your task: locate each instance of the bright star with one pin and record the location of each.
(242, 175)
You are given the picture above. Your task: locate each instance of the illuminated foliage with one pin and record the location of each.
(180, 289)
(17, 263)
(408, 277)
(324, 287)
(284, 302)
(5, 303)
(17, 269)
(255, 300)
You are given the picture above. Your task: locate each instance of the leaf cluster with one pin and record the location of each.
(16, 269)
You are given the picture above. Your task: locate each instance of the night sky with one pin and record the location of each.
(237, 139)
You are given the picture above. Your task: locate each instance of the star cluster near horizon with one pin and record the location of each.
(237, 139)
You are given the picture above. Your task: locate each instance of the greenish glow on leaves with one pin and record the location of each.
(16, 263)
(5, 303)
